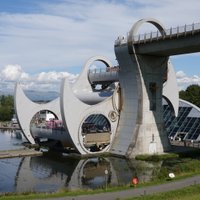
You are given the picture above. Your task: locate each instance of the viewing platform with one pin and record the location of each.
(9, 126)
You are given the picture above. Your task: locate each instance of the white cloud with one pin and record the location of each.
(180, 74)
(13, 73)
(50, 81)
(53, 76)
(64, 34)
(67, 33)
(184, 81)
(44, 81)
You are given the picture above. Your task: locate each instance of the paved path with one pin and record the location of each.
(171, 185)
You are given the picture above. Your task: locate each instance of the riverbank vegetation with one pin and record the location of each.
(182, 164)
(6, 108)
(155, 157)
(191, 94)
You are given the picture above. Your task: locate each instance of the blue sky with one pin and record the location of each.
(43, 41)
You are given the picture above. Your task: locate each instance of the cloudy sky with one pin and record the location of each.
(42, 41)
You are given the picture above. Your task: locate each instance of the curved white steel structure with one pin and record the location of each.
(80, 99)
(75, 112)
(171, 97)
(26, 109)
(130, 103)
(82, 87)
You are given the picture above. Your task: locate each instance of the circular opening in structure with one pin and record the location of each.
(147, 28)
(97, 71)
(98, 65)
(41, 96)
(43, 124)
(96, 132)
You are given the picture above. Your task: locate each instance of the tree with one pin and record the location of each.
(191, 94)
(6, 107)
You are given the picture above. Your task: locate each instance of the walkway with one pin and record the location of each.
(171, 185)
(19, 153)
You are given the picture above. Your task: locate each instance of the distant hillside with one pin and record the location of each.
(35, 95)
(41, 96)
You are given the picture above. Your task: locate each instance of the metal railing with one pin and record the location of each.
(103, 70)
(168, 33)
(109, 74)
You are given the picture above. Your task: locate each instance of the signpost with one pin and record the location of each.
(106, 178)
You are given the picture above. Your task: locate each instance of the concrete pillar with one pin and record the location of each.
(141, 126)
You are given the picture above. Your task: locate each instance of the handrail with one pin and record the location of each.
(103, 70)
(169, 33)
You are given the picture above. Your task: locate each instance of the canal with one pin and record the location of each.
(10, 140)
(54, 171)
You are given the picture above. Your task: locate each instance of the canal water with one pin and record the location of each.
(10, 140)
(52, 171)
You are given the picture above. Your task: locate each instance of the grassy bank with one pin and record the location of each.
(188, 193)
(156, 158)
(183, 164)
(182, 153)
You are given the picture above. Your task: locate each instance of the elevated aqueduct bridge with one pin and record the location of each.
(180, 40)
(132, 115)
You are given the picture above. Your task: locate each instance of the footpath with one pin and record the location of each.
(134, 192)
(19, 153)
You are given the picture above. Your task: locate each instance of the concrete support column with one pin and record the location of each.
(141, 126)
(152, 137)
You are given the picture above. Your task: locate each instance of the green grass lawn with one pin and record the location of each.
(188, 193)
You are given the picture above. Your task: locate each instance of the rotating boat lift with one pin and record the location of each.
(128, 104)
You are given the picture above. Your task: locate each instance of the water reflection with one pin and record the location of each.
(11, 139)
(8, 172)
(52, 172)
(43, 174)
(48, 173)
(93, 172)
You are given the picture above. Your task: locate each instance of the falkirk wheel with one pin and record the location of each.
(117, 109)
